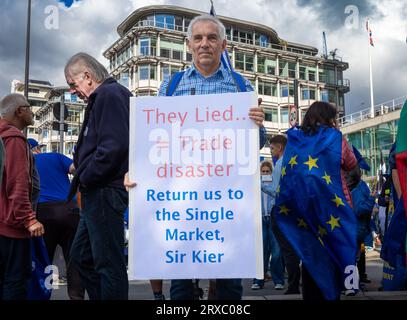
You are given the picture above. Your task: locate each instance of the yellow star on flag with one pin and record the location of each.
(283, 172)
(327, 178)
(301, 223)
(338, 201)
(284, 210)
(293, 161)
(278, 189)
(322, 231)
(320, 240)
(334, 222)
(311, 163)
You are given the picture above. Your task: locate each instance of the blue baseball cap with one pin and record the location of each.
(34, 143)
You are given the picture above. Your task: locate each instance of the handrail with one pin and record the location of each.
(380, 109)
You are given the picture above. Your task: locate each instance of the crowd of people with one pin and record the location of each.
(316, 210)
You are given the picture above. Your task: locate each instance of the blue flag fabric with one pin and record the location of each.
(40, 260)
(312, 211)
(224, 58)
(395, 237)
(362, 162)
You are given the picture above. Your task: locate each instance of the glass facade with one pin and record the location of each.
(374, 143)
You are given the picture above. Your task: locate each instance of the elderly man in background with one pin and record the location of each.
(101, 160)
(17, 219)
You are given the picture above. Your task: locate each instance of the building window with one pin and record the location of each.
(324, 95)
(147, 46)
(239, 60)
(124, 79)
(261, 40)
(341, 99)
(74, 116)
(284, 114)
(165, 21)
(167, 71)
(228, 33)
(303, 75)
(177, 55)
(69, 147)
(267, 89)
(283, 68)
(271, 115)
(165, 53)
(178, 23)
(187, 21)
(244, 61)
(54, 146)
(307, 94)
(171, 49)
(73, 131)
(291, 69)
(123, 55)
(236, 35)
(287, 90)
(327, 76)
(311, 75)
(271, 70)
(332, 96)
(147, 72)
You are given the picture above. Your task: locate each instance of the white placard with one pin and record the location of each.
(195, 212)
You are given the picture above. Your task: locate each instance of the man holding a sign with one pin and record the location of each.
(207, 75)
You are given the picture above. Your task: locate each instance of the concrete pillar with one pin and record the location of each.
(158, 50)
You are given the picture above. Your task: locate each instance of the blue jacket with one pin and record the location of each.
(363, 204)
(101, 155)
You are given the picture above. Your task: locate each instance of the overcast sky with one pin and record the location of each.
(90, 26)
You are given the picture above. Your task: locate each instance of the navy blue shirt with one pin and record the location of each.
(53, 169)
(101, 155)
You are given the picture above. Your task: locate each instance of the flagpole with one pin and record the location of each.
(370, 71)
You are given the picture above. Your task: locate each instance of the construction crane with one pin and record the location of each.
(333, 53)
(324, 48)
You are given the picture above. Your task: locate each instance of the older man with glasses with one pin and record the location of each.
(17, 219)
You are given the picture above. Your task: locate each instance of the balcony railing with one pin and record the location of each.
(380, 109)
(344, 83)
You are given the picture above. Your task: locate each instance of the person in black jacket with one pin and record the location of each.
(101, 160)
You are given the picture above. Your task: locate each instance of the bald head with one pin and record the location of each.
(10, 103)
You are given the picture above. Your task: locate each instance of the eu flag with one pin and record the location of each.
(37, 288)
(312, 211)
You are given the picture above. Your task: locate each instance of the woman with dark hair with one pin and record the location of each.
(313, 212)
(322, 114)
(319, 114)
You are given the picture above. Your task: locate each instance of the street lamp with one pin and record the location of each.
(27, 51)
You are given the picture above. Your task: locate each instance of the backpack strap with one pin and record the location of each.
(239, 81)
(173, 83)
